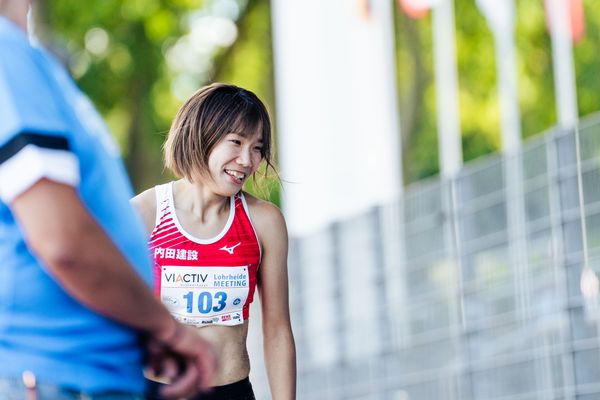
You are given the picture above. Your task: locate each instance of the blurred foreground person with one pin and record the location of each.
(213, 244)
(76, 309)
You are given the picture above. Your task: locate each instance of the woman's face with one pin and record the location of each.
(235, 158)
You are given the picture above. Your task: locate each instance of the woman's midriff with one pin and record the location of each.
(232, 355)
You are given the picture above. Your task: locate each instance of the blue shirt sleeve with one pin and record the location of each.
(27, 103)
(34, 138)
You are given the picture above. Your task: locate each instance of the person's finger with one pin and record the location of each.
(154, 353)
(182, 386)
(169, 367)
(153, 345)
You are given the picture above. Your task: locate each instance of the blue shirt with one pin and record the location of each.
(49, 129)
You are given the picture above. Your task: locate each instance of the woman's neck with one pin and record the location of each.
(200, 200)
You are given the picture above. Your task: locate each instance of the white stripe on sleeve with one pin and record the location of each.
(32, 163)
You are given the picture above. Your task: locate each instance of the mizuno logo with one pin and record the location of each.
(230, 249)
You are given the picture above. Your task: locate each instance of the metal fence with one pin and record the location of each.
(463, 289)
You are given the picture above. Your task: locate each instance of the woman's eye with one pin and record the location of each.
(235, 141)
(258, 149)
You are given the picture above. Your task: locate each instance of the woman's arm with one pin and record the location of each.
(278, 339)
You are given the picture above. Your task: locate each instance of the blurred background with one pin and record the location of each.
(440, 175)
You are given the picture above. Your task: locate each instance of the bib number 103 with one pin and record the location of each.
(206, 301)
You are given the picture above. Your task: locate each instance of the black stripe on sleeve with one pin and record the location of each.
(23, 139)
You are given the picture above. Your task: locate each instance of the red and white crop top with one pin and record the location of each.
(204, 281)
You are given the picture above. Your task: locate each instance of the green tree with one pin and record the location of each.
(478, 100)
(115, 50)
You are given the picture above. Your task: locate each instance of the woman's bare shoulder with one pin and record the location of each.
(262, 208)
(266, 216)
(145, 200)
(145, 204)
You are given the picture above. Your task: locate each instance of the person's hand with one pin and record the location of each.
(185, 360)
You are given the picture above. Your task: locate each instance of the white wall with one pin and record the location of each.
(337, 119)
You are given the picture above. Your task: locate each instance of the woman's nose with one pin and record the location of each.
(244, 157)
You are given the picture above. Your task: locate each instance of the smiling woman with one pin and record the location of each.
(213, 244)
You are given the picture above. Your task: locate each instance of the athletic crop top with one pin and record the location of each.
(204, 281)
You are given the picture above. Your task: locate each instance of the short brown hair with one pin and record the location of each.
(205, 118)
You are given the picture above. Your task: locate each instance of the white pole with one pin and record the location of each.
(389, 66)
(501, 17)
(448, 117)
(506, 65)
(562, 59)
(508, 91)
(501, 20)
(449, 142)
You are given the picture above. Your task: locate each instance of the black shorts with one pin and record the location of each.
(240, 390)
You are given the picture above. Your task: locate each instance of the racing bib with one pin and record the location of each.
(202, 296)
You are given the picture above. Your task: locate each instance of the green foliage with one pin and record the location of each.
(536, 87)
(587, 63)
(248, 64)
(478, 99)
(116, 50)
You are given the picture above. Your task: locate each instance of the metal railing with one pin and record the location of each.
(463, 289)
